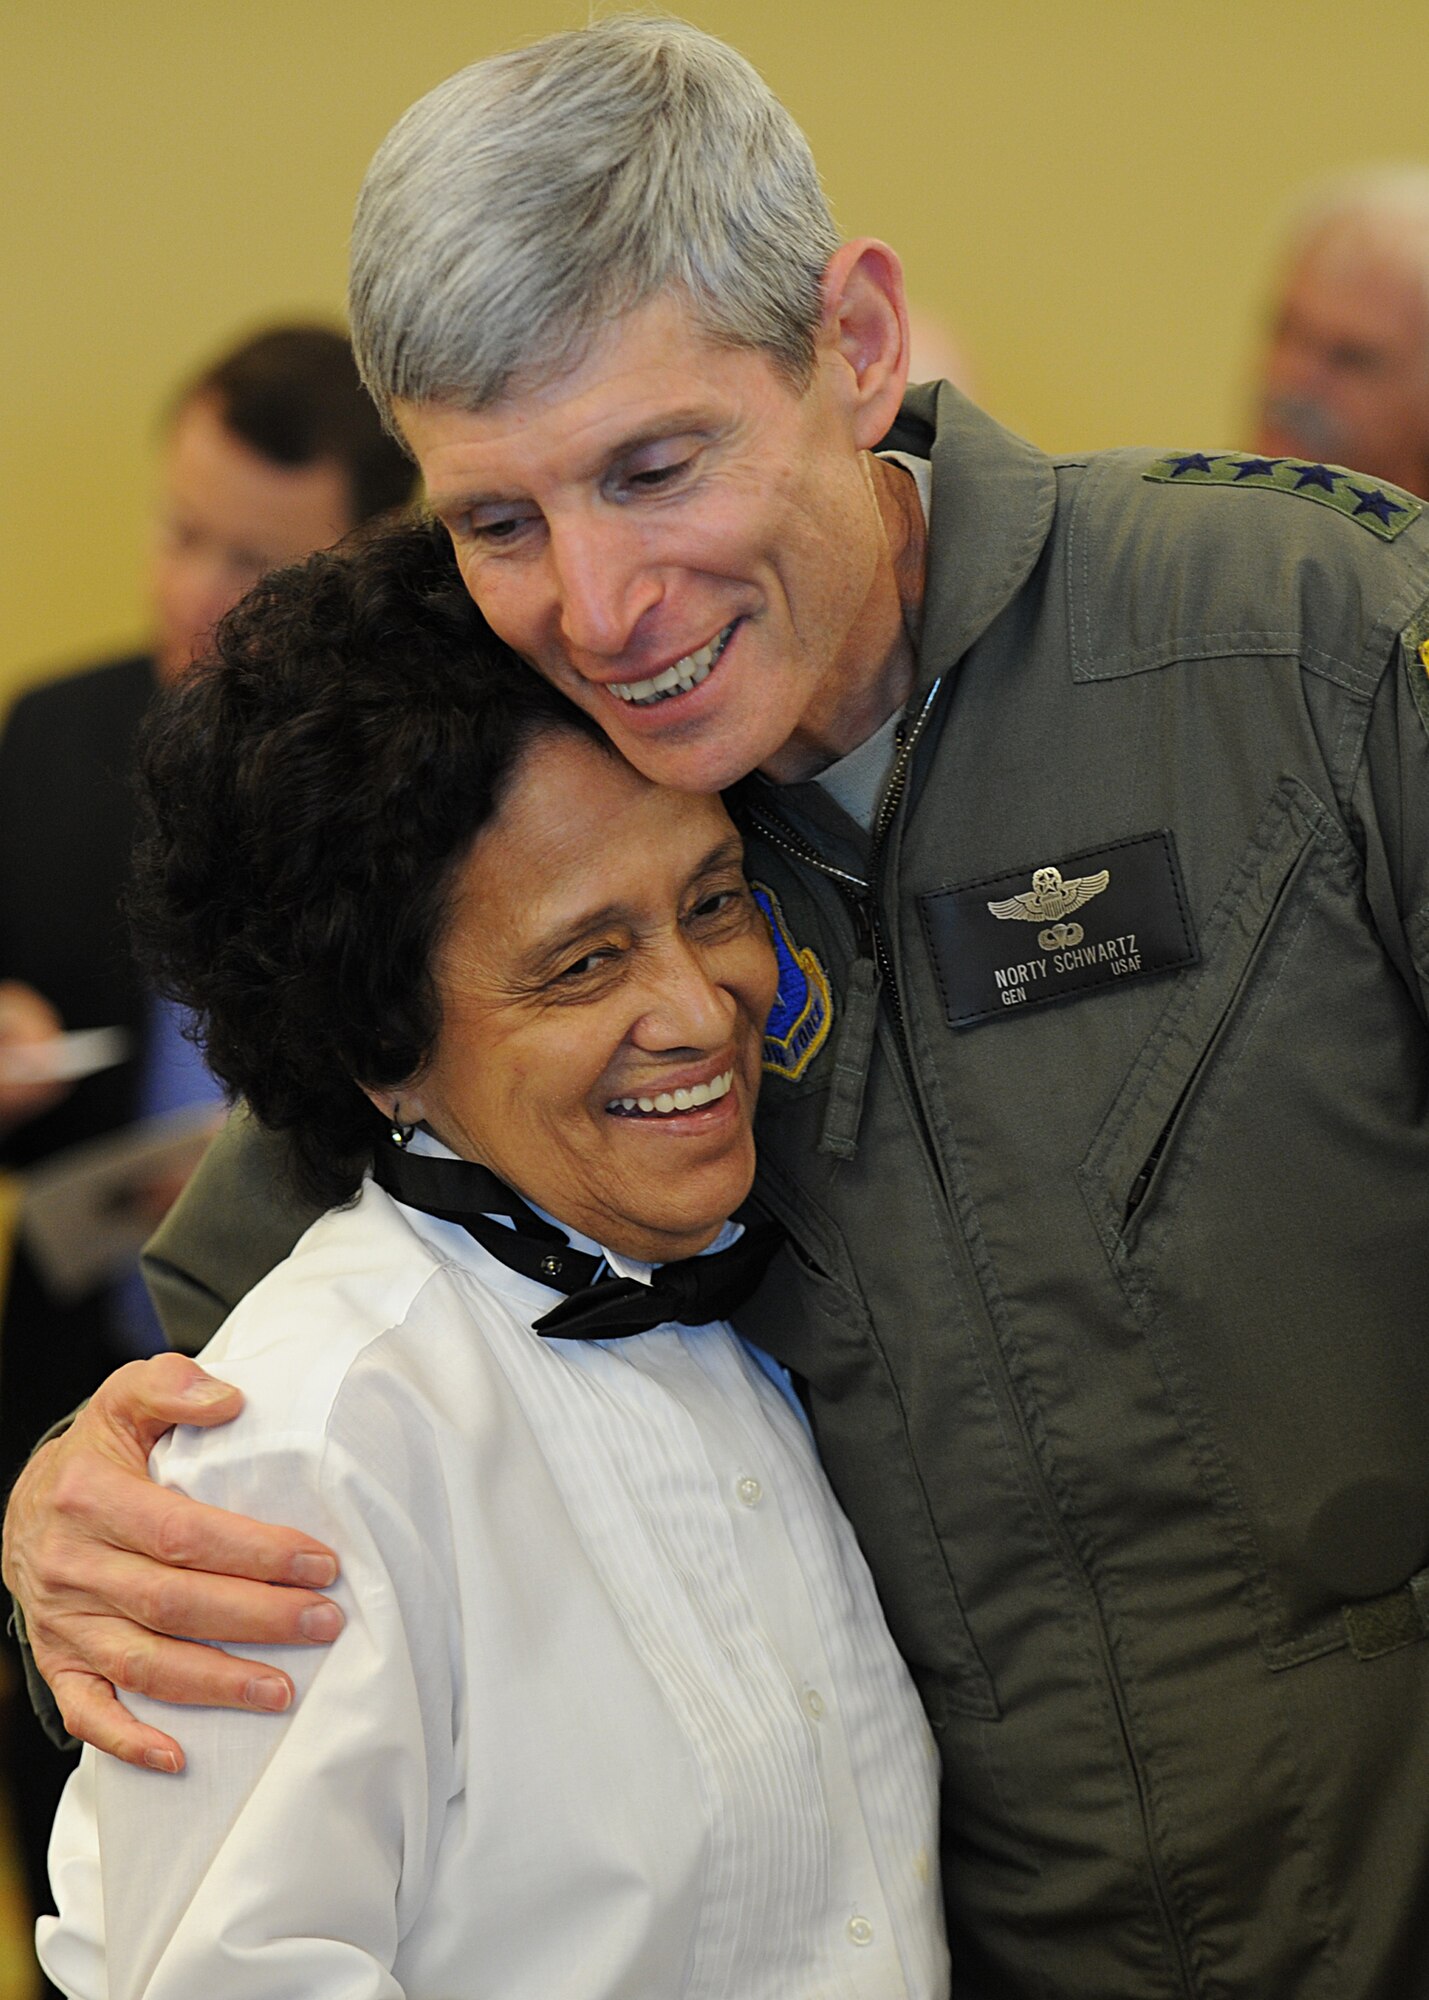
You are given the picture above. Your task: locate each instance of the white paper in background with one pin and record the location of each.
(64, 1058)
(84, 1216)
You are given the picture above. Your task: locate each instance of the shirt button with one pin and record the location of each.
(860, 1930)
(814, 1704)
(750, 1492)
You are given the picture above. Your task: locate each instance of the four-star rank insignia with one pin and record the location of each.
(1385, 510)
(803, 1012)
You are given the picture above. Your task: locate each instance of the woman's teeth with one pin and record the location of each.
(674, 1100)
(678, 679)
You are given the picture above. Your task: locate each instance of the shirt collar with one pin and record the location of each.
(623, 1267)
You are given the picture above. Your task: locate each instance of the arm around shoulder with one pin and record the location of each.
(293, 1855)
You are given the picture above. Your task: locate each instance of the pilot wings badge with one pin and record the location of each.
(1049, 900)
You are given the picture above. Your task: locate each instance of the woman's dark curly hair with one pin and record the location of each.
(305, 797)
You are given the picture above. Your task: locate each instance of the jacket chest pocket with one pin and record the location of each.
(1257, 1185)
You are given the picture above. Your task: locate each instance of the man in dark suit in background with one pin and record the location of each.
(271, 452)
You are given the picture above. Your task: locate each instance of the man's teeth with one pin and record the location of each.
(678, 679)
(677, 1100)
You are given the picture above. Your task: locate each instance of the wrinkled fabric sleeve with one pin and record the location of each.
(1392, 806)
(294, 1852)
(236, 1219)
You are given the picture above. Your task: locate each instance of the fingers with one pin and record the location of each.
(93, 1712)
(26, 1020)
(172, 1670)
(105, 1565)
(123, 1592)
(135, 1405)
(97, 1508)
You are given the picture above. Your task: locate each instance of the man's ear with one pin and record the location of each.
(864, 325)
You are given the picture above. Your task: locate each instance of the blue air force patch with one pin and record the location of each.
(803, 1013)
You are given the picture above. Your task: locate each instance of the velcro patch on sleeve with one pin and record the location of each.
(1414, 644)
(1012, 941)
(803, 1011)
(1384, 509)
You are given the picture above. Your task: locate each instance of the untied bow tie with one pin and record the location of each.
(691, 1291)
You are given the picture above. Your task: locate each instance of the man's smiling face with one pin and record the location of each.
(684, 542)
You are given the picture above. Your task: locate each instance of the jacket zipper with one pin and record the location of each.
(861, 896)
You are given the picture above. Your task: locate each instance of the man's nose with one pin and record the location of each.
(604, 582)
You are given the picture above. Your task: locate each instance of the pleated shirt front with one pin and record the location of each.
(614, 1713)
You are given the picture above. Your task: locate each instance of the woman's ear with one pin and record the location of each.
(401, 1108)
(864, 325)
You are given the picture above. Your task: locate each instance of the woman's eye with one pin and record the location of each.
(720, 903)
(494, 532)
(583, 968)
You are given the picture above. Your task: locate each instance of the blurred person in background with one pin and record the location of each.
(1346, 373)
(272, 451)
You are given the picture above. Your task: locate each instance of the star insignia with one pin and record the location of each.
(1376, 503)
(1376, 508)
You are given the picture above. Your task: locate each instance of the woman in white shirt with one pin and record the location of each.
(614, 1712)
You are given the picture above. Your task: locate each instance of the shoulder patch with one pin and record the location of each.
(1385, 510)
(803, 1012)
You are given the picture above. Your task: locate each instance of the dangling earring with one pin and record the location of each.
(397, 1132)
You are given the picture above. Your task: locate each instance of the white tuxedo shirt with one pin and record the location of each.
(614, 1716)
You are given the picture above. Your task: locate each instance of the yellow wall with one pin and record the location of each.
(1087, 190)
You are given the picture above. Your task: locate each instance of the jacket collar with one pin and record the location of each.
(994, 496)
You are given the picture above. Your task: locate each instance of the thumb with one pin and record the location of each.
(142, 1400)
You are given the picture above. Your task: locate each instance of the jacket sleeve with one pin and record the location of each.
(238, 1216)
(1392, 806)
(294, 1852)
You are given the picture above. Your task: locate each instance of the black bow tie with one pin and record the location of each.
(691, 1291)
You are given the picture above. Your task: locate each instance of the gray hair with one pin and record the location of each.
(530, 199)
(1386, 205)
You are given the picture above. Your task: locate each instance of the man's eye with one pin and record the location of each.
(1356, 360)
(650, 478)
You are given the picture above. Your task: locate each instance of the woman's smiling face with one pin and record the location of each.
(604, 984)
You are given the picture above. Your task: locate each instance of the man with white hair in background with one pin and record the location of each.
(1346, 370)
(1091, 797)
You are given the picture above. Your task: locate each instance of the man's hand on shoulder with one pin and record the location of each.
(105, 1565)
